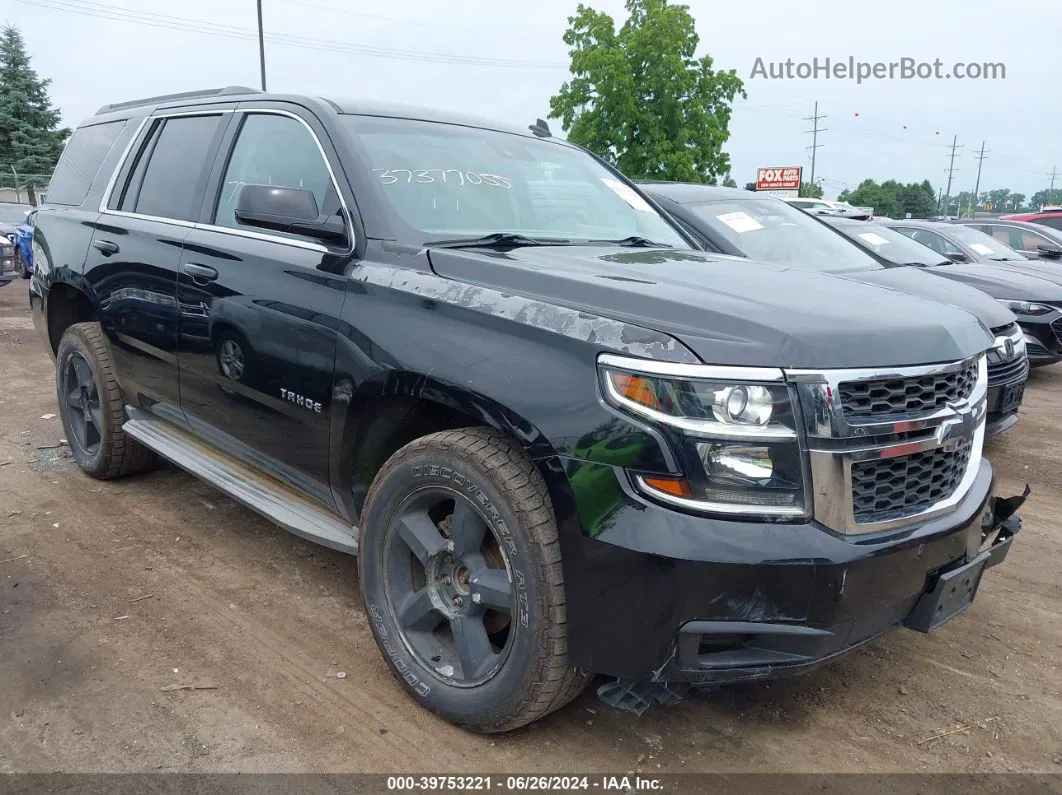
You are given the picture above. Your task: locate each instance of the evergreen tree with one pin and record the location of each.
(30, 138)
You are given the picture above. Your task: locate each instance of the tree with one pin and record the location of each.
(750, 186)
(30, 138)
(810, 190)
(998, 198)
(638, 98)
(919, 200)
(1016, 201)
(729, 182)
(1042, 197)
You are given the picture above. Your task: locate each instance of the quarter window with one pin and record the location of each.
(171, 183)
(80, 162)
(275, 150)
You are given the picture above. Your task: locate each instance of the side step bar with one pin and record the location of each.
(272, 499)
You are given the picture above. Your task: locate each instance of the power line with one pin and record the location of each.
(261, 44)
(170, 22)
(951, 172)
(977, 184)
(814, 119)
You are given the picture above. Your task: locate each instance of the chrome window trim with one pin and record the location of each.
(703, 372)
(246, 233)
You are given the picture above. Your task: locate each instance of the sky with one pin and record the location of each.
(514, 60)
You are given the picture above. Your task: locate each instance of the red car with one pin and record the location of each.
(1052, 218)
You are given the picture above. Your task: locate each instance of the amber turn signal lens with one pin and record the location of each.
(676, 487)
(636, 388)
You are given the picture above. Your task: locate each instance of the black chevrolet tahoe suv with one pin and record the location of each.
(561, 441)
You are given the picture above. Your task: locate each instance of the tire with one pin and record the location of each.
(445, 491)
(20, 263)
(85, 382)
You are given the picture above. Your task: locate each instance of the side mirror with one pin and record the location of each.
(957, 256)
(292, 210)
(1049, 251)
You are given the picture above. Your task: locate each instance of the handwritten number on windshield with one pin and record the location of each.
(449, 176)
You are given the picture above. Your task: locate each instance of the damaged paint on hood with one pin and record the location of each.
(731, 312)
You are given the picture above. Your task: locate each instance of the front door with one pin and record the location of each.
(261, 310)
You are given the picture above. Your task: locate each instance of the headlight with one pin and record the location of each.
(1026, 307)
(736, 435)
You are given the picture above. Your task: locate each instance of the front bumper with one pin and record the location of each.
(1043, 339)
(658, 595)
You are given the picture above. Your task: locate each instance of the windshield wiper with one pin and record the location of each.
(634, 241)
(497, 240)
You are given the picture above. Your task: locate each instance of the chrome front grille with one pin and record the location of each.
(888, 447)
(1008, 359)
(890, 488)
(913, 395)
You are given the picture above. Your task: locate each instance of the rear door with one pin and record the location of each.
(261, 309)
(136, 249)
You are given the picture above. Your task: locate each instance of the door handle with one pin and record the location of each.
(105, 247)
(199, 273)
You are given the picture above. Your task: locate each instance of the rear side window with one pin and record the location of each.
(81, 160)
(170, 178)
(1054, 223)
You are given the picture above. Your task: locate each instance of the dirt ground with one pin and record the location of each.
(110, 592)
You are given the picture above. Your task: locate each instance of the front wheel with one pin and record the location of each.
(461, 573)
(21, 264)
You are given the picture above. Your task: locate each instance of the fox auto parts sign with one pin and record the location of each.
(782, 180)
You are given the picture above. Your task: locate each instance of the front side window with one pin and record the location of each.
(773, 231)
(175, 173)
(446, 181)
(274, 150)
(80, 162)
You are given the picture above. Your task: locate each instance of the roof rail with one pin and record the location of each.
(209, 92)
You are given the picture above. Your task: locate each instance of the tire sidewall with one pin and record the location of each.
(70, 344)
(493, 700)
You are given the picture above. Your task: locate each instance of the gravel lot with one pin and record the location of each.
(110, 592)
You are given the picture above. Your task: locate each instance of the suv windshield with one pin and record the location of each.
(445, 181)
(980, 243)
(891, 245)
(773, 231)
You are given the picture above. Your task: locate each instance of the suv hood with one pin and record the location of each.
(731, 312)
(1004, 281)
(969, 295)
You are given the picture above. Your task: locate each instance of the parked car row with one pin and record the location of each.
(1020, 305)
(570, 425)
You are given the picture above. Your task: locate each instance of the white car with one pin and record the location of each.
(830, 207)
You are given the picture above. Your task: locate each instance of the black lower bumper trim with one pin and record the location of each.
(721, 652)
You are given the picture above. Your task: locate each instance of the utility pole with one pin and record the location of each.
(951, 173)
(1052, 175)
(261, 45)
(815, 130)
(977, 185)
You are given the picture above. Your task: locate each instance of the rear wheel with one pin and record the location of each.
(460, 569)
(92, 408)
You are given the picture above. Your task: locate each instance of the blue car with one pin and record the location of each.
(12, 217)
(24, 245)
